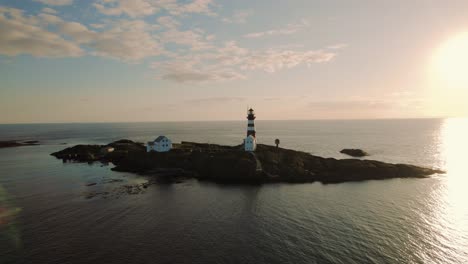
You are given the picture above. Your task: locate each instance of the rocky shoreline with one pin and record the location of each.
(230, 164)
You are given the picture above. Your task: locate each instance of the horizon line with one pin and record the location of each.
(232, 120)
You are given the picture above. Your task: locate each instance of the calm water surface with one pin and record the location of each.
(45, 217)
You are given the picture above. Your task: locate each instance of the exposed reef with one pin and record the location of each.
(14, 143)
(355, 152)
(232, 164)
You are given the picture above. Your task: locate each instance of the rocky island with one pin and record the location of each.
(231, 164)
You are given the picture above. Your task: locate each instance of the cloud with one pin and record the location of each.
(350, 105)
(97, 26)
(231, 62)
(168, 22)
(189, 38)
(21, 34)
(338, 46)
(49, 10)
(216, 100)
(48, 35)
(49, 19)
(274, 60)
(272, 99)
(288, 30)
(196, 6)
(139, 8)
(239, 17)
(127, 40)
(133, 8)
(189, 73)
(55, 2)
(180, 55)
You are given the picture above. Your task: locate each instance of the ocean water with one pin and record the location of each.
(46, 218)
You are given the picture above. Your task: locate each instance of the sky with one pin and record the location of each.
(188, 60)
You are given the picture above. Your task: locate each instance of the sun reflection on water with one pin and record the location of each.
(452, 204)
(453, 151)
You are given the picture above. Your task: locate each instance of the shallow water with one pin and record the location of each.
(390, 221)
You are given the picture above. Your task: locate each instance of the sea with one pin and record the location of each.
(47, 216)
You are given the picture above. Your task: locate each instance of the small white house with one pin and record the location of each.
(107, 149)
(160, 144)
(250, 143)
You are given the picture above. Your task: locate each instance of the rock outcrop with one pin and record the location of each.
(354, 152)
(232, 164)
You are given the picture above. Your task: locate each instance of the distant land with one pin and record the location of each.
(14, 143)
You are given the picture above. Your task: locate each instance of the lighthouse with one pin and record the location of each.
(250, 142)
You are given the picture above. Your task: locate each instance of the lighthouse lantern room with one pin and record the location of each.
(250, 142)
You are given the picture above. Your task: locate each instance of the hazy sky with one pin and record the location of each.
(169, 60)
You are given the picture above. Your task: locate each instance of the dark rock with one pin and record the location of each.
(31, 142)
(123, 141)
(91, 184)
(228, 164)
(14, 143)
(354, 152)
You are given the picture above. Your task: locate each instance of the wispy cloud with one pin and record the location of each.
(338, 46)
(175, 52)
(55, 2)
(216, 100)
(193, 39)
(49, 10)
(196, 6)
(233, 62)
(350, 105)
(168, 22)
(22, 34)
(139, 8)
(274, 60)
(186, 72)
(239, 17)
(132, 8)
(288, 30)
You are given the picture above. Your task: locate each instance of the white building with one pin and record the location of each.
(250, 142)
(160, 144)
(107, 149)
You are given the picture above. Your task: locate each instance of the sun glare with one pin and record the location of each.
(451, 62)
(448, 78)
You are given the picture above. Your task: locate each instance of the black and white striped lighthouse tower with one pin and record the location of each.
(251, 122)
(250, 142)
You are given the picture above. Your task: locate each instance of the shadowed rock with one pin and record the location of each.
(354, 152)
(14, 143)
